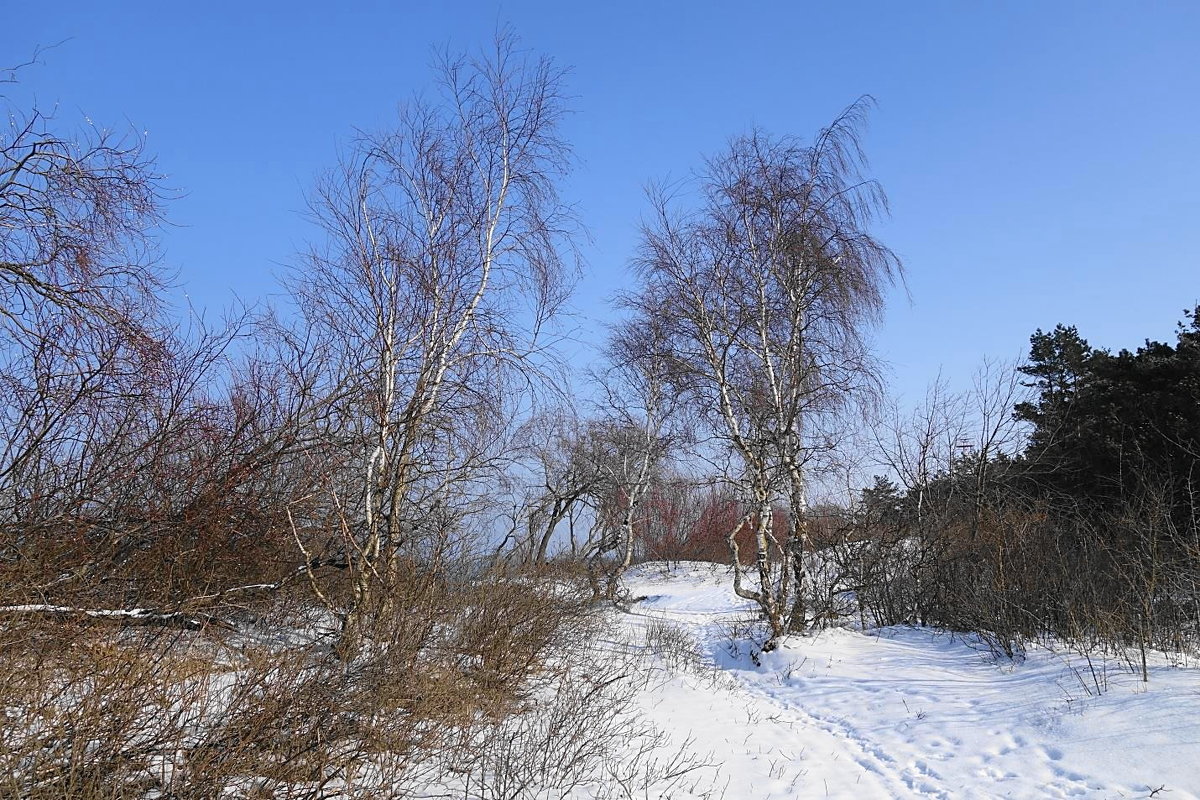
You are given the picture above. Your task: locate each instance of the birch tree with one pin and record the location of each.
(766, 289)
(441, 264)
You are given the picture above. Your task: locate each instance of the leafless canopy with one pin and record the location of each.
(74, 217)
(79, 328)
(766, 289)
(440, 267)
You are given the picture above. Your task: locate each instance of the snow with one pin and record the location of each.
(904, 712)
(675, 701)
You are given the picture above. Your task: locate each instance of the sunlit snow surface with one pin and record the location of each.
(899, 712)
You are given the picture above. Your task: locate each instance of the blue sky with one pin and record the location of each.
(1042, 159)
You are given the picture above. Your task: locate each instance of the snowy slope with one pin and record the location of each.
(898, 713)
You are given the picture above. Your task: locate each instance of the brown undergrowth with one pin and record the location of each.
(100, 710)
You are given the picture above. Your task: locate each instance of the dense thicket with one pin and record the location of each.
(1091, 532)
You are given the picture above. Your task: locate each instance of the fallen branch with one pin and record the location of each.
(187, 617)
(124, 616)
(304, 569)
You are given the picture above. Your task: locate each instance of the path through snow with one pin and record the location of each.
(900, 713)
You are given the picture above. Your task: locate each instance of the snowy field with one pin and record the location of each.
(899, 713)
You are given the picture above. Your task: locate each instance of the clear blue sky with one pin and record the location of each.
(1042, 158)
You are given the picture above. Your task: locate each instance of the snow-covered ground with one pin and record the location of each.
(898, 712)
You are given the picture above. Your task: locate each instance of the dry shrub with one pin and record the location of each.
(92, 712)
(506, 630)
(565, 570)
(1015, 571)
(121, 714)
(119, 563)
(99, 711)
(678, 649)
(580, 734)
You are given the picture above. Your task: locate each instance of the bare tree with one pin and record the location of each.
(557, 473)
(138, 465)
(996, 389)
(78, 280)
(632, 442)
(441, 266)
(918, 445)
(82, 343)
(766, 290)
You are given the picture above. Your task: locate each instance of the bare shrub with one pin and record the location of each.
(96, 711)
(581, 733)
(506, 632)
(677, 648)
(136, 714)
(686, 522)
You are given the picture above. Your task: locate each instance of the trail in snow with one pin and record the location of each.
(900, 713)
